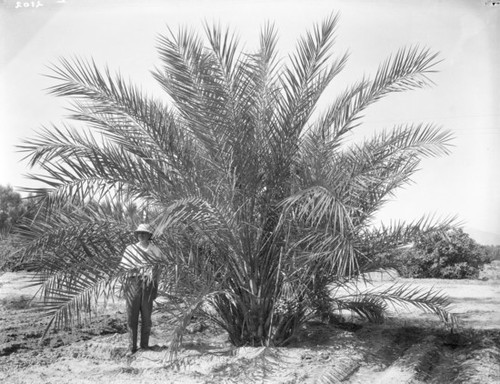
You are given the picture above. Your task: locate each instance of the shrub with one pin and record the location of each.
(9, 252)
(493, 252)
(12, 208)
(450, 255)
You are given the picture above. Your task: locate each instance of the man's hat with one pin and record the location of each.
(144, 228)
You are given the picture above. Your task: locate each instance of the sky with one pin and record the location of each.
(465, 98)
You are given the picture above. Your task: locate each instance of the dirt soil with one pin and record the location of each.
(408, 348)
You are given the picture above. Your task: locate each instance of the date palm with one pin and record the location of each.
(261, 204)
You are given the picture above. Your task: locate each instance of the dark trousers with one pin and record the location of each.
(139, 296)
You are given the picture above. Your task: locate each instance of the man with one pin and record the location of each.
(140, 285)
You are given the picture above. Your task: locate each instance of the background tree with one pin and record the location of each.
(12, 208)
(260, 203)
(493, 252)
(448, 255)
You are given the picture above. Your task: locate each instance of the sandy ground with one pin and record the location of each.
(408, 348)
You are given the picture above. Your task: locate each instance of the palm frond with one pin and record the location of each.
(98, 94)
(397, 233)
(187, 79)
(407, 70)
(427, 300)
(425, 140)
(192, 306)
(307, 77)
(370, 308)
(319, 204)
(373, 303)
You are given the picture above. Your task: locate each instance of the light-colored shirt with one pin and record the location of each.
(135, 256)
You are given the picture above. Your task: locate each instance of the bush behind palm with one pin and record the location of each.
(261, 205)
(452, 254)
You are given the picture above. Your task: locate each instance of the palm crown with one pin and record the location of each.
(259, 200)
